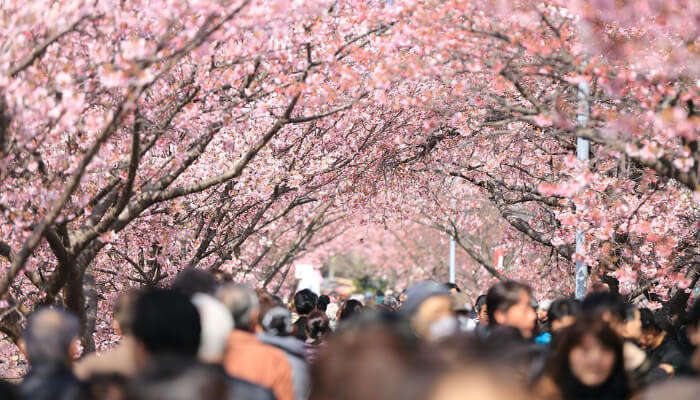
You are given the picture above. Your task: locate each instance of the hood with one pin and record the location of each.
(289, 344)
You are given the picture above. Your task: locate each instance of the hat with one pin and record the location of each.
(420, 292)
(544, 305)
(460, 302)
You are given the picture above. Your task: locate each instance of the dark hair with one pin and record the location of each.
(693, 315)
(600, 302)
(450, 286)
(561, 308)
(103, 386)
(191, 281)
(350, 308)
(49, 334)
(124, 309)
(648, 320)
(8, 391)
(300, 328)
(166, 321)
(305, 301)
(502, 296)
(480, 301)
(317, 325)
(323, 302)
(277, 321)
(616, 386)
(175, 378)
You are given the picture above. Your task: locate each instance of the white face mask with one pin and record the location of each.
(443, 327)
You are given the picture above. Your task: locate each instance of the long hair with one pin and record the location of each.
(616, 386)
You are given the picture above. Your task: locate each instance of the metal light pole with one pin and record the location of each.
(452, 259)
(582, 151)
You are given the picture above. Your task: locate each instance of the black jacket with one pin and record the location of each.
(51, 381)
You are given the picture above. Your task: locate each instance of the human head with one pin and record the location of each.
(174, 378)
(650, 329)
(589, 354)
(51, 336)
(482, 309)
(509, 303)
(608, 306)
(460, 303)
(166, 321)
(123, 316)
(217, 324)
(477, 384)
(305, 301)
(323, 301)
(631, 327)
(452, 287)
(191, 280)
(243, 304)
(350, 308)
(277, 321)
(693, 318)
(391, 303)
(542, 309)
(562, 313)
(317, 325)
(428, 307)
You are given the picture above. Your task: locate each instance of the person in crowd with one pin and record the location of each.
(453, 288)
(509, 304)
(587, 363)
(606, 305)
(663, 350)
(191, 281)
(305, 301)
(477, 384)
(323, 302)
(543, 315)
(217, 325)
(428, 308)
(462, 309)
(165, 322)
(482, 315)
(692, 365)
(8, 391)
(350, 308)
(389, 304)
(317, 327)
(107, 386)
(562, 313)
(175, 378)
(51, 343)
(247, 357)
(120, 359)
(276, 322)
(379, 296)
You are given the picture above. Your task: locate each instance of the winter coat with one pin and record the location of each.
(295, 351)
(51, 381)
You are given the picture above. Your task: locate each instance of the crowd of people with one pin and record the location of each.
(204, 340)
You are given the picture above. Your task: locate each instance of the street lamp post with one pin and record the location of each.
(582, 152)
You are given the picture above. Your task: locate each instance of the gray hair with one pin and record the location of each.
(217, 324)
(49, 334)
(242, 302)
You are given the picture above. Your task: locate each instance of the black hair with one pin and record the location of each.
(317, 325)
(323, 302)
(450, 286)
(480, 301)
(617, 385)
(191, 281)
(561, 308)
(350, 308)
(600, 302)
(305, 301)
(166, 321)
(693, 315)
(379, 293)
(649, 320)
(8, 391)
(502, 296)
(300, 328)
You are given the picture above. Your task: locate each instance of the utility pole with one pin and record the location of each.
(582, 151)
(452, 259)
